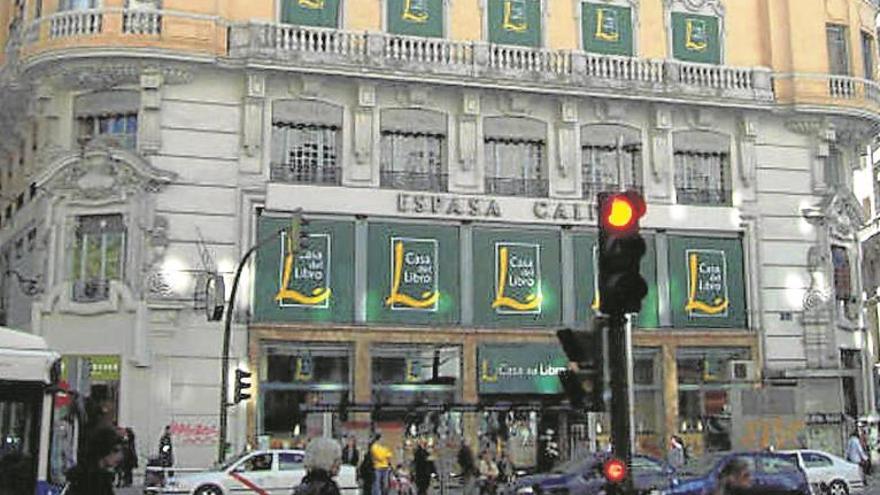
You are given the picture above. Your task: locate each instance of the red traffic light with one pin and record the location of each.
(620, 212)
(614, 470)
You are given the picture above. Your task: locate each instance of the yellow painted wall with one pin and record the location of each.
(562, 25)
(746, 33)
(363, 15)
(465, 20)
(652, 30)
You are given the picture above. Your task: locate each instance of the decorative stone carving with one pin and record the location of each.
(518, 104)
(611, 110)
(660, 143)
(823, 135)
(103, 76)
(150, 119)
(818, 298)
(709, 7)
(101, 174)
(748, 135)
(252, 120)
(363, 125)
(467, 130)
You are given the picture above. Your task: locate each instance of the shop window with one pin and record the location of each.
(838, 51)
(842, 273)
(413, 146)
(306, 142)
(320, 13)
(610, 154)
(98, 256)
(515, 157)
(702, 168)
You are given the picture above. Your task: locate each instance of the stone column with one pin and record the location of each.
(150, 119)
(660, 187)
(251, 156)
(365, 134)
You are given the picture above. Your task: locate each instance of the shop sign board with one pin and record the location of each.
(706, 284)
(523, 368)
(517, 278)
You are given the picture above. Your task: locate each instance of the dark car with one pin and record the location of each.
(771, 474)
(583, 476)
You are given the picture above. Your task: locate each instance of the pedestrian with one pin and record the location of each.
(130, 458)
(350, 454)
(469, 471)
(381, 466)
(94, 474)
(322, 461)
(735, 478)
(365, 473)
(488, 474)
(855, 453)
(675, 455)
(866, 464)
(505, 468)
(423, 467)
(166, 449)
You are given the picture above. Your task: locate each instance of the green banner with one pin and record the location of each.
(320, 13)
(515, 22)
(415, 17)
(520, 368)
(517, 278)
(523, 286)
(696, 38)
(413, 274)
(706, 282)
(607, 29)
(316, 284)
(101, 368)
(304, 278)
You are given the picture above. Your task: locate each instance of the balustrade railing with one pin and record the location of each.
(624, 68)
(529, 59)
(317, 40)
(428, 50)
(147, 22)
(716, 76)
(75, 23)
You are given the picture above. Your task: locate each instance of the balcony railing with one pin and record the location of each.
(305, 174)
(142, 22)
(703, 197)
(75, 23)
(505, 186)
(414, 181)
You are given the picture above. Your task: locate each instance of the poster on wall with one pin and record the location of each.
(707, 284)
(414, 275)
(517, 278)
(304, 276)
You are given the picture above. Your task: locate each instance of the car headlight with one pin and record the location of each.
(526, 490)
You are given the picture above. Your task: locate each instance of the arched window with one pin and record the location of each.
(515, 151)
(702, 168)
(413, 143)
(611, 156)
(306, 142)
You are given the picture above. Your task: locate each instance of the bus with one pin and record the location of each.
(38, 428)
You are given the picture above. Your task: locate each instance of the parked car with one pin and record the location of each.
(583, 476)
(771, 474)
(261, 471)
(829, 474)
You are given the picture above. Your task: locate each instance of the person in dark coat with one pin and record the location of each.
(423, 467)
(129, 458)
(322, 462)
(366, 474)
(469, 471)
(94, 474)
(350, 454)
(166, 449)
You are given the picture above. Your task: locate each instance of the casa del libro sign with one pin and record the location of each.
(492, 208)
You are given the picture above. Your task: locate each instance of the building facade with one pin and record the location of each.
(447, 154)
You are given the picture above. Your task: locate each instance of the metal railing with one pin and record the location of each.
(702, 196)
(305, 174)
(414, 181)
(507, 186)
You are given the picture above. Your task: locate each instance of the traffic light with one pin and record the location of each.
(615, 472)
(242, 385)
(584, 381)
(621, 248)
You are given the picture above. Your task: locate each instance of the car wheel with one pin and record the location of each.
(838, 488)
(209, 490)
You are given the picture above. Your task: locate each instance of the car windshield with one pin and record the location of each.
(229, 462)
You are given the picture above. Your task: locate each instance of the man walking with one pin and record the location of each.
(855, 453)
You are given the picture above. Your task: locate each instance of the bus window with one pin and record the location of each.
(20, 414)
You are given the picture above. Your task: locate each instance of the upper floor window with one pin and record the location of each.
(696, 38)
(515, 22)
(98, 256)
(702, 168)
(77, 4)
(611, 156)
(321, 13)
(111, 116)
(413, 146)
(415, 17)
(868, 55)
(607, 28)
(306, 142)
(515, 153)
(838, 51)
(835, 167)
(842, 273)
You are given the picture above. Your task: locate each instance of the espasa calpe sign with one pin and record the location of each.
(414, 273)
(707, 283)
(304, 274)
(517, 278)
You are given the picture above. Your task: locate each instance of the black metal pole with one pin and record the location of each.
(227, 336)
(621, 422)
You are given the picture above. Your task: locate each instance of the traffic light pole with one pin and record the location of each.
(620, 363)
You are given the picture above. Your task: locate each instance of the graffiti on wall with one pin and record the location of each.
(194, 433)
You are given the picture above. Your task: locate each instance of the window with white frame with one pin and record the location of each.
(515, 156)
(702, 168)
(98, 255)
(412, 150)
(838, 51)
(306, 142)
(611, 156)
